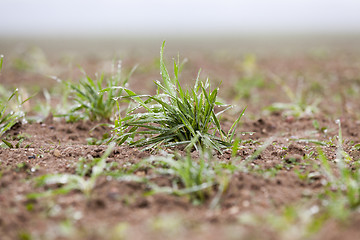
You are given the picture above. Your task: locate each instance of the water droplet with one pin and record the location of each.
(1, 56)
(323, 182)
(55, 210)
(252, 133)
(126, 84)
(56, 79)
(33, 169)
(243, 134)
(77, 215)
(337, 121)
(246, 203)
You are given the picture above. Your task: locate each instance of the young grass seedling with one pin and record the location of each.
(10, 118)
(299, 105)
(174, 116)
(196, 177)
(96, 99)
(1, 61)
(292, 222)
(7, 120)
(343, 188)
(192, 178)
(251, 79)
(78, 181)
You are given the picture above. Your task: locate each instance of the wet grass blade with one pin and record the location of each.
(173, 116)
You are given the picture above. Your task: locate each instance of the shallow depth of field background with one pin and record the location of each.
(168, 18)
(259, 20)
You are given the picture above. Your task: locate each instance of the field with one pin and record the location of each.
(95, 148)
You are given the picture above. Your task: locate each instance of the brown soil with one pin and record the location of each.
(120, 210)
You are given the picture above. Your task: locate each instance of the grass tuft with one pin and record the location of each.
(175, 116)
(301, 104)
(9, 118)
(95, 100)
(77, 181)
(342, 191)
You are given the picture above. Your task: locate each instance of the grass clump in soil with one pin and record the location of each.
(342, 191)
(191, 178)
(70, 182)
(95, 100)
(9, 118)
(175, 116)
(301, 102)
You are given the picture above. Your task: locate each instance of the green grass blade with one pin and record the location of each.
(1, 61)
(164, 72)
(232, 130)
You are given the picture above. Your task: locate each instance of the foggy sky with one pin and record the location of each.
(141, 17)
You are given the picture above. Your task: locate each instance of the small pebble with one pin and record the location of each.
(235, 209)
(290, 119)
(315, 175)
(57, 153)
(140, 173)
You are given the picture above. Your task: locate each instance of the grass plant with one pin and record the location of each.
(1, 61)
(342, 191)
(11, 111)
(175, 116)
(292, 222)
(300, 104)
(251, 79)
(198, 179)
(78, 181)
(7, 119)
(191, 178)
(95, 100)
(43, 108)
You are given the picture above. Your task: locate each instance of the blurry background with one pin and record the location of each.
(202, 23)
(172, 18)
